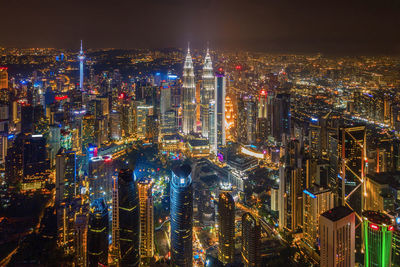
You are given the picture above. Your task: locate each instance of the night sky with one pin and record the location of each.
(359, 26)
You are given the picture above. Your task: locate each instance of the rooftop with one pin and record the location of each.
(337, 213)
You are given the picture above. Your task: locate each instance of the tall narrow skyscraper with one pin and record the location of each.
(181, 216)
(220, 87)
(226, 232)
(251, 241)
(81, 59)
(189, 96)
(146, 218)
(206, 94)
(129, 226)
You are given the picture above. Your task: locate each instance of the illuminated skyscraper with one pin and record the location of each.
(212, 127)
(251, 241)
(337, 237)
(97, 236)
(263, 128)
(65, 176)
(189, 96)
(3, 78)
(377, 235)
(316, 200)
(81, 60)
(226, 231)
(207, 93)
(129, 219)
(146, 218)
(220, 91)
(181, 216)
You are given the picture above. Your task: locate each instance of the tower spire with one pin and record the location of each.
(81, 47)
(188, 47)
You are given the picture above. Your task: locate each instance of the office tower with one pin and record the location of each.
(189, 93)
(251, 113)
(168, 123)
(251, 241)
(3, 78)
(181, 216)
(337, 237)
(27, 118)
(100, 173)
(165, 99)
(129, 219)
(316, 200)
(212, 128)
(226, 231)
(97, 236)
(88, 131)
(263, 128)
(241, 130)
(114, 251)
(81, 230)
(152, 128)
(146, 218)
(81, 58)
(142, 111)
(377, 239)
(281, 117)
(380, 191)
(115, 125)
(290, 192)
(275, 198)
(220, 91)
(206, 94)
(27, 160)
(127, 113)
(66, 185)
(352, 167)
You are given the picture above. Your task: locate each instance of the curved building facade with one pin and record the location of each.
(181, 216)
(129, 219)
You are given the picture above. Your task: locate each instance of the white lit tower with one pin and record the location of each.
(189, 96)
(81, 59)
(206, 93)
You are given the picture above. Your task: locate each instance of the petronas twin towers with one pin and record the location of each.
(189, 95)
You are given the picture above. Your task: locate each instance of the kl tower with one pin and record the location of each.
(81, 59)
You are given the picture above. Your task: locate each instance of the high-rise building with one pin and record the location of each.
(81, 58)
(226, 231)
(275, 198)
(129, 219)
(337, 237)
(66, 185)
(220, 91)
(168, 123)
(146, 218)
(251, 241)
(3, 78)
(80, 236)
(263, 128)
(97, 236)
(165, 99)
(189, 96)
(316, 200)
(281, 116)
(27, 160)
(100, 177)
(290, 192)
(212, 128)
(181, 216)
(377, 236)
(142, 111)
(206, 93)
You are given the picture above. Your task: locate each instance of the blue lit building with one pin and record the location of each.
(129, 219)
(181, 216)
